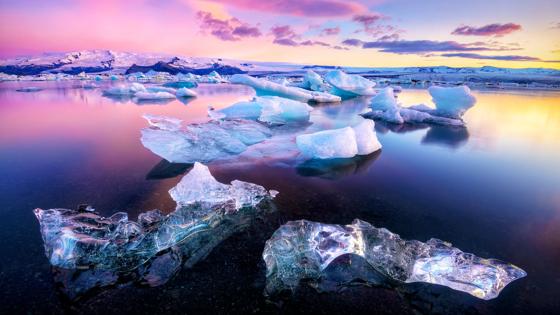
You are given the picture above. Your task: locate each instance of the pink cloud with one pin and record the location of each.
(306, 8)
(495, 29)
(229, 30)
(330, 31)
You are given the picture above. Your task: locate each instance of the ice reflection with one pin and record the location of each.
(337, 168)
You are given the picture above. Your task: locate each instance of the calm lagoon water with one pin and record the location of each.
(492, 189)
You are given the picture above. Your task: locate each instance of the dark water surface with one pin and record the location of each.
(492, 189)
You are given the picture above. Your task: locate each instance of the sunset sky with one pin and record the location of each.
(380, 33)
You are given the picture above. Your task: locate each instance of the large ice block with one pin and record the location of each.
(347, 85)
(200, 142)
(155, 245)
(451, 102)
(264, 87)
(303, 250)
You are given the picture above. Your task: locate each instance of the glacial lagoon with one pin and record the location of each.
(492, 189)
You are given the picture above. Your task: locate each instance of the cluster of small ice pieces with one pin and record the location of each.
(217, 139)
(82, 239)
(141, 92)
(451, 103)
(340, 143)
(273, 110)
(302, 250)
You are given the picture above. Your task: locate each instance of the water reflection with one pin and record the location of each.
(165, 169)
(337, 168)
(448, 136)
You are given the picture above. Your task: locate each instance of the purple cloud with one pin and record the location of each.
(367, 20)
(284, 35)
(305, 8)
(228, 30)
(421, 46)
(353, 42)
(285, 42)
(506, 58)
(284, 31)
(330, 31)
(495, 29)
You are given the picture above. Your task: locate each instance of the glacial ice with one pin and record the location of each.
(269, 109)
(153, 95)
(313, 81)
(185, 92)
(268, 88)
(340, 143)
(303, 250)
(347, 85)
(451, 102)
(161, 89)
(153, 248)
(385, 107)
(200, 142)
(126, 90)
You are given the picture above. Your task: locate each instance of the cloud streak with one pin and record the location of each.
(305, 8)
(228, 30)
(497, 57)
(416, 46)
(495, 29)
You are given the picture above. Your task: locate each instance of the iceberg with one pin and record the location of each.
(154, 247)
(269, 109)
(340, 143)
(385, 107)
(303, 250)
(161, 89)
(313, 81)
(185, 92)
(125, 90)
(268, 88)
(451, 102)
(153, 95)
(349, 85)
(169, 139)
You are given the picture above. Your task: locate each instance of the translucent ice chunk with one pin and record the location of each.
(82, 239)
(451, 102)
(303, 250)
(268, 88)
(153, 95)
(185, 92)
(340, 143)
(384, 100)
(127, 90)
(269, 109)
(200, 142)
(349, 84)
(313, 81)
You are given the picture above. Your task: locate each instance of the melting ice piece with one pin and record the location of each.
(185, 92)
(303, 250)
(313, 81)
(385, 107)
(161, 89)
(126, 90)
(157, 244)
(349, 84)
(153, 95)
(269, 109)
(340, 143)
(451, 102)
(200, 142)
(268, 88)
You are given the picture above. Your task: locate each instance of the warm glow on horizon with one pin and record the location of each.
(327, 32)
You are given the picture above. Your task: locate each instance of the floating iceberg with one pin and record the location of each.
(204, 142)
(270, 109)
(185, 92)
(303, 250)
(451, 102)
(313, 81)
(153, 248)
(268, 88)
(153, 95)
(125, 90)
(161, 89)
(385, 107)
(340, 143)
(348, 85)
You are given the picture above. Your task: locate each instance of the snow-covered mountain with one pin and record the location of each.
(108, 61)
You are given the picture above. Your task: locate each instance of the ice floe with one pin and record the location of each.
(303, 250)
(347, 85)
(153, 95)
(269, 109)
(126, 90)
(203, 142)
(451, 102)
(385, 107)
(82, 243)
(340, 143)
(268, 88)
(185, 92)
(313, 81)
